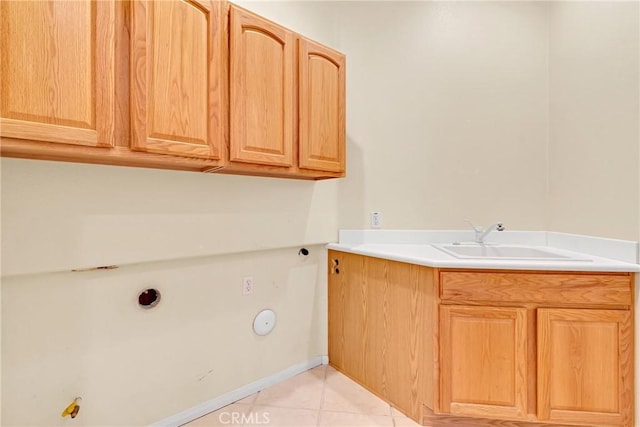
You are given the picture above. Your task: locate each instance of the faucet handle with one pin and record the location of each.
(475, 228)
(499, 226)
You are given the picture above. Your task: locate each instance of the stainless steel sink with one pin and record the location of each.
(498, 251)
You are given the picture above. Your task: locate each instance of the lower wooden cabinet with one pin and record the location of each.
(483, 361)
(377, 310)
(548, 360)
(481, 348)
(585, 360)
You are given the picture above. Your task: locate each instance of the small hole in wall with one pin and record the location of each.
(149, 298)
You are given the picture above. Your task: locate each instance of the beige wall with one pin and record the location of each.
(83, 334)
(447, 113)
(62, 216)
(594, 166)
(448, 118)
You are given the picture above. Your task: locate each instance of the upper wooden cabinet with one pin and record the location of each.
(322, 107)
(196, 85)
(58, 71)
(261, 97)
(177, 87)
(285, 98)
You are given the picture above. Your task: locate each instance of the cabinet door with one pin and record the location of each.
(261, 97)
(57, 71)
(483, 356)
(177, 57)
(347, 313)
(585, 365)
(322, 107)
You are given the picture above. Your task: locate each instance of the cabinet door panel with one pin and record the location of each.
(376, 343)
(261, 56)
(584, 366)
(347, 314)
(376, 321)
(177, 63)
(322, 107)
(335, 307)
(57, 71)
(403, 320)
(484, 361)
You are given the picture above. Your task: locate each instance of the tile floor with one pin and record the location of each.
(320, 397)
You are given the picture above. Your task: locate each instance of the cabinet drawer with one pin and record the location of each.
(556, 288)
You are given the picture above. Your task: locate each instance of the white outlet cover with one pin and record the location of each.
(376, 219)
(247, 285)
(264, 322)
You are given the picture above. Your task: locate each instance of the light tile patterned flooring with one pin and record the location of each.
(320, 397)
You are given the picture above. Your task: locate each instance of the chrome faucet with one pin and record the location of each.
(481, 233)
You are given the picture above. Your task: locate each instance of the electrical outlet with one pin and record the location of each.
(247, 285)
(376, 219)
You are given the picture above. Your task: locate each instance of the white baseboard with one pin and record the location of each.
(239, 393)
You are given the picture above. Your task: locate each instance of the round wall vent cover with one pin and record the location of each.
(264, 322)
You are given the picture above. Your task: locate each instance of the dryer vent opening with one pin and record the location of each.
(149, 298)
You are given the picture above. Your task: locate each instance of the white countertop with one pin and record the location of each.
(415, 247)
